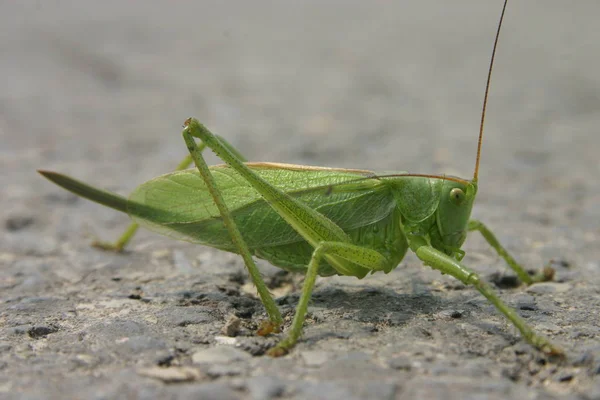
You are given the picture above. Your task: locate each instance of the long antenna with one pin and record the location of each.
(485, 96)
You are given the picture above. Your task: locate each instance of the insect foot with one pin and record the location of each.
(281, 349)
(267, 327)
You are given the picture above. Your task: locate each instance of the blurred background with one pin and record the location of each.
(384, 85)
(100, 89)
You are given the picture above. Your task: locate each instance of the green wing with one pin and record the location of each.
(179, 205)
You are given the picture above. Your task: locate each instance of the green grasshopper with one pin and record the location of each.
(318, 221)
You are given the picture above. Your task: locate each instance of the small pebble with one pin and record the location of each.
(172, 374)
(549, 287)
(41, 331)
(219, 355)
(226, 340)
(231, 327)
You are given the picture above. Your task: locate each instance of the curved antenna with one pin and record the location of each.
(485, 96)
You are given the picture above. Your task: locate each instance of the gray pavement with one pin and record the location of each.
(99, 90)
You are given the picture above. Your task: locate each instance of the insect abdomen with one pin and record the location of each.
(385, 236)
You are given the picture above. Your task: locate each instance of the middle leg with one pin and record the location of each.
(365, 257)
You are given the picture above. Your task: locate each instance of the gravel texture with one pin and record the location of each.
(99, 90)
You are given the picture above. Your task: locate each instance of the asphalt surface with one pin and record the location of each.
(100, 90)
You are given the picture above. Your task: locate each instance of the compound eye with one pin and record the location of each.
(457, 196)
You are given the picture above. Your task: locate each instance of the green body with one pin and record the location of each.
(373, 212)
(379, 213)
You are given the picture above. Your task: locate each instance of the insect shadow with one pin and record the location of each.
(379, 306)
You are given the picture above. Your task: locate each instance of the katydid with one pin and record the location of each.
(318, 221)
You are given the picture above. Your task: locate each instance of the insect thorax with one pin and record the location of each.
(435, 209)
